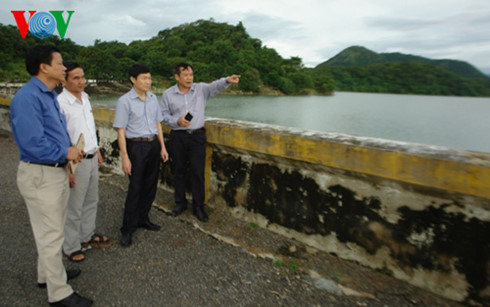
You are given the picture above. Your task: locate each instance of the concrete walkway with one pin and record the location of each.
(224, 262)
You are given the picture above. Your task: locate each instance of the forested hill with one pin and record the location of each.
(357, 69)
(214, 49)
(220, 49)
(360, 56)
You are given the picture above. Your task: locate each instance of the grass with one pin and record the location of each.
(292, 266)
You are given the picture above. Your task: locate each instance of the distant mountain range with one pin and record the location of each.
(361, 56)
(357, 69)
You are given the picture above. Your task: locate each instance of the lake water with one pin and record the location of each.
(456, 122)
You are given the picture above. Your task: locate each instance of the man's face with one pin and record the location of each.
(75, 82)
(56, 70)
(142, 82)
(185, 78)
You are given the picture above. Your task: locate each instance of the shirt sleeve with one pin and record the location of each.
(30, 134)
(214, 88)
(159, 112)
(121, 118)
(62, 102)
(167, 117)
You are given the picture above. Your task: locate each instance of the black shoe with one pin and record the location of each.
(200, 214)
(70, 274)
(74, 300)
(126, 239)
(178, 210)
(150, 226)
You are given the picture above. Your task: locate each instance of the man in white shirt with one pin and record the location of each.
(84, 183)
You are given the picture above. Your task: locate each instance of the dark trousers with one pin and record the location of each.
(145, 165)
(188, 150)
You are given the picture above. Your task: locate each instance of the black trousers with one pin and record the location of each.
(188, 150)
(145, 165)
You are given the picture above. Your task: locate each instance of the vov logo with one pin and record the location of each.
(42, 24)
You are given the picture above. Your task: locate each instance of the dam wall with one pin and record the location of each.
(420, 213)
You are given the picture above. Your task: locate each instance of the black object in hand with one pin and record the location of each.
(188, 116)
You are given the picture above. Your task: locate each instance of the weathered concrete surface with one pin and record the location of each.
(225, 262)
(418, 212)
(9, 89)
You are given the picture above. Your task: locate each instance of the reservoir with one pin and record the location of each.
(455, 122)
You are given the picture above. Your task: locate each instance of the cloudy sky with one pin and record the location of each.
(314, 30)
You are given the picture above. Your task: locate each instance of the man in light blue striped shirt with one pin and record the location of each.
(183, 108)
(140, 139)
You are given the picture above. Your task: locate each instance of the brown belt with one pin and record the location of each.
(150, 139)
(189, 131)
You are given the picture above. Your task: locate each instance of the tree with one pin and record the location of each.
(219, 49)
(322, 80)
(136, 50)
(301, 80)
(287, 86)
(154, 58)
(250, 81)
(100, 65)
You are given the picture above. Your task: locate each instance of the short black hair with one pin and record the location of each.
(183, 65)
(137, 69)
(37, 55)
(70, 66)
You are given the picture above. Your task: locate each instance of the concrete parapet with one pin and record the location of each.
(7, 90)
(420, 213)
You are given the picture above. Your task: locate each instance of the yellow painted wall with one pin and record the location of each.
(470, 177)
(468, 174)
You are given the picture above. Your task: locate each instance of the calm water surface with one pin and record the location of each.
(457, 122)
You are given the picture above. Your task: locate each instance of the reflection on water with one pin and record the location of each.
(458, 122)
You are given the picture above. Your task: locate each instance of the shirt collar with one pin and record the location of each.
(177, 91)
(134, 95)
(41, 85)
(71, 98)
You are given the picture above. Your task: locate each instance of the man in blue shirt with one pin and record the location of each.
(39, 129)
(183, 108)
(140, 138)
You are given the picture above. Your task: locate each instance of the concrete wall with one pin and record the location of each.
(420, 213)
(8, 89)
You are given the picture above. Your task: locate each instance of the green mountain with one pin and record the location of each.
(214, 49)
(220, 49)
(360, 56)
(405, 78)
(357, 69)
